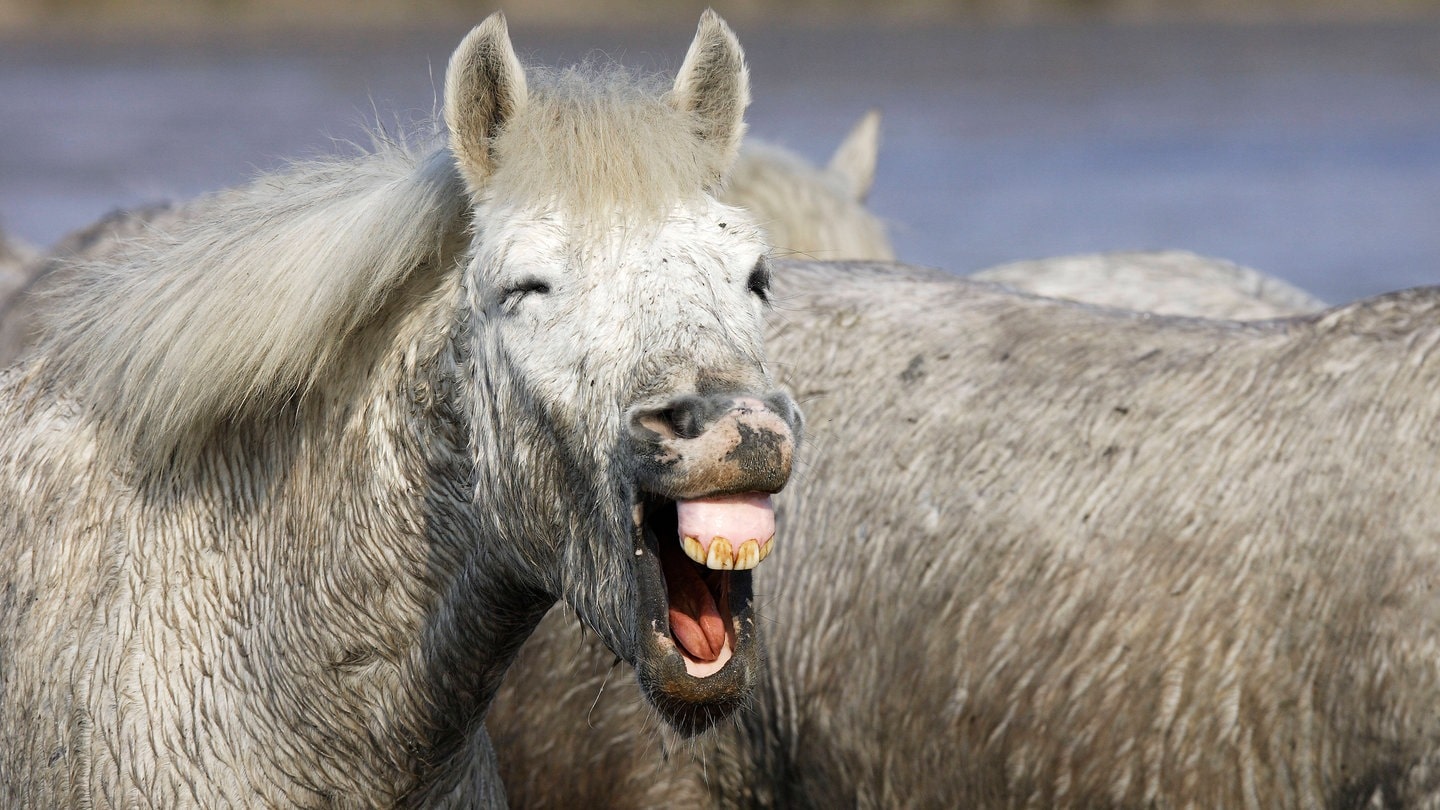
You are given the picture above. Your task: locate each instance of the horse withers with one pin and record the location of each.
(285, 487)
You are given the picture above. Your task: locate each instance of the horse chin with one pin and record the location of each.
(700, 667)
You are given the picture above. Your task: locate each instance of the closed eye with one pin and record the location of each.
(528, 286)
(759, 281)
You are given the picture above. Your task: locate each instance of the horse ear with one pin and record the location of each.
(484, 86)
(714, 86)
(854, 161)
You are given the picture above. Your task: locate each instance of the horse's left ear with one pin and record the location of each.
(484, 86)
(714, 85)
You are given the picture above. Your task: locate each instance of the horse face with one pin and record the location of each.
(627, 334)
(597, 324)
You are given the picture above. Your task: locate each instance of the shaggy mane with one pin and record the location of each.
(604, 144)
(247, 298)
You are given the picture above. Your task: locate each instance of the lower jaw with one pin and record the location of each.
(704, 688)
(691, 694)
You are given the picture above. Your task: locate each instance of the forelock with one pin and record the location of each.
(603, 145)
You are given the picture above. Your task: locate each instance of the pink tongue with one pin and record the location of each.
(695, 619)
(737, 518)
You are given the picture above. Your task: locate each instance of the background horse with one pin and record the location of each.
(1173, 282)
(1044, 554)
(812, 212)
(285, 487)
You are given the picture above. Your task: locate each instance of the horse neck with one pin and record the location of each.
(379, 477)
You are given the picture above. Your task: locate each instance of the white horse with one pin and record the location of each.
(284, 487)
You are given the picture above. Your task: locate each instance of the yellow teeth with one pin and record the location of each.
(721, 557)
(747, 556)
(693, 549)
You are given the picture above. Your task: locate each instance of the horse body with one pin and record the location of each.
(1092, 559)
(1141, 563)
(287, 484)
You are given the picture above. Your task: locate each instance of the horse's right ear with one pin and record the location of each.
(714, 85)
(854, 161)
(484, 86)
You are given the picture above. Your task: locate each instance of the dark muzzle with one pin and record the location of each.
(719, 444)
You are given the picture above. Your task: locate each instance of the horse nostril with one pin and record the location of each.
(688, 418)
(680, 418)
(785, 407)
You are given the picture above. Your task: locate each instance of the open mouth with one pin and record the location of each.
(697, 598)
(705, 549)
(705, 467)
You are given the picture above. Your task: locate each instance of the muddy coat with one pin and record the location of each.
(1047, 555)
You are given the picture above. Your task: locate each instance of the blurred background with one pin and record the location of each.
(1299, 137)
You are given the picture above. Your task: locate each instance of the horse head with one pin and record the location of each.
(626, 431)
